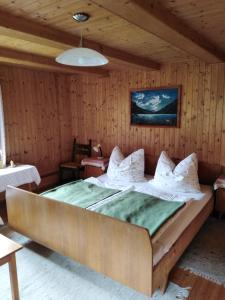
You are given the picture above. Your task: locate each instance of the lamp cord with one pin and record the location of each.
(81, 39)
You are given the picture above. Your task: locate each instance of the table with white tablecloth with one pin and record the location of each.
(18, 175)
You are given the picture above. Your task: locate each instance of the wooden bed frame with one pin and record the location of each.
(115, 248)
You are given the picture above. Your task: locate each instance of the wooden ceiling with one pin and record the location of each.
(131, 33)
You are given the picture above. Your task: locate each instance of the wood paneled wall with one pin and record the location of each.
(100, 110)
(43, 111)
(37, 117)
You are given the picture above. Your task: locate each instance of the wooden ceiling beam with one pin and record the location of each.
(13, 57)
(27, 30)
(151, 17)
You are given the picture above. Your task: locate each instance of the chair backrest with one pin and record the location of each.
(80, 150)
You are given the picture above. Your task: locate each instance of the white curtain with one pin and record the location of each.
(2, 131)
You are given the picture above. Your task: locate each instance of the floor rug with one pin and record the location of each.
(206, 255)
(46, 275)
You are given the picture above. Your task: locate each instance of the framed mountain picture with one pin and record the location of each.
(156, 106)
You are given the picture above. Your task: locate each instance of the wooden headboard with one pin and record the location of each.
(207, 172)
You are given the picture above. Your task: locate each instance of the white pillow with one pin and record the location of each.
(180, 178)
(129, 169)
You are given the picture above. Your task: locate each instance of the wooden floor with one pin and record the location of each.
(201, 289)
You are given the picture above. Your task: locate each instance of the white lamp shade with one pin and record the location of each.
(81, 57)
(95, 148)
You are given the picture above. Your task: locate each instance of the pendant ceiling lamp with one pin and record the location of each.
(80, 56)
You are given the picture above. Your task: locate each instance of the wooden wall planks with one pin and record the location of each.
(100, 110)
(37, 118)
(43, 111)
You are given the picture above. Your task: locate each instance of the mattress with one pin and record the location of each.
(168, 234)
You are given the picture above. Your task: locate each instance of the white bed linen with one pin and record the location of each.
(147, 188)
(130, 168)
(182, 177)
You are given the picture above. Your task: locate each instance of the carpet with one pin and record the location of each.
(206, 254)
(46, 275)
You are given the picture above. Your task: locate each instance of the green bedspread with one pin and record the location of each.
(79, 193)
(141, 209)
(134, 207)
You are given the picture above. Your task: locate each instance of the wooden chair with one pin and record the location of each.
(78, 153)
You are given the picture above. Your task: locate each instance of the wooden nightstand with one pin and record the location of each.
(94, 166)
(219, 187)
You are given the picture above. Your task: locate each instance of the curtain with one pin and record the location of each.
(2, 131)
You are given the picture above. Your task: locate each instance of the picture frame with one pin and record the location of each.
(155, 107)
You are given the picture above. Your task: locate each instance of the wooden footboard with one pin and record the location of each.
(162, 269)
(115, 248)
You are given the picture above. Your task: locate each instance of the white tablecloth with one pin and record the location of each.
(18, 175)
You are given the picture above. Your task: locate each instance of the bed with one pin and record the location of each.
(123, 251)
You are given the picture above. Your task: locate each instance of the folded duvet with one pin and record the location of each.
(80, 193)
(140, 209)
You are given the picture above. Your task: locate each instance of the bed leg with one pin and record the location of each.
(164, 284)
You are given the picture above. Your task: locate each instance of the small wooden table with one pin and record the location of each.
(219, 187)
(8, 248)
(94, 166)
